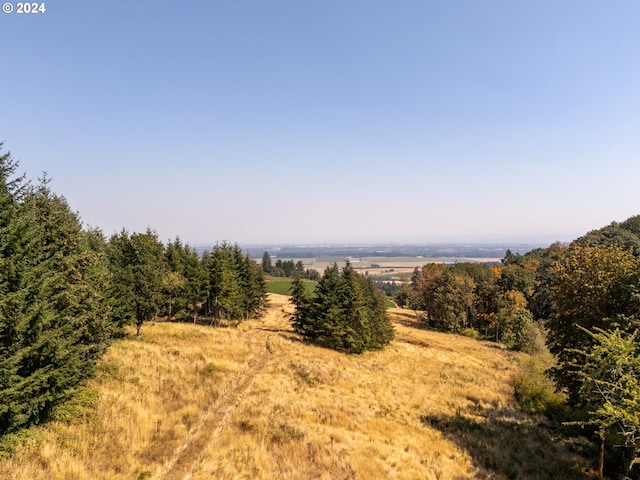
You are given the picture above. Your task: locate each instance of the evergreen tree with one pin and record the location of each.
(236, 284)
(266, 262)
(300, 301)
(610, 384)
(138, 267)
(380, 327)
(196, 285)
(224, 298)
(52, 319)
(356, 335)
(346, 312)
(174, 278)
(255, 288)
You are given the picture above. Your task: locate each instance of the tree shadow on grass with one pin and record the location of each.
(409, 319)
(504, 443)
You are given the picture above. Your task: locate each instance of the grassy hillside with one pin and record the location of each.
(194, 402)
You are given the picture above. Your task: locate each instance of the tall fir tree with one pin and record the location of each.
(138, 267)
(53, 324)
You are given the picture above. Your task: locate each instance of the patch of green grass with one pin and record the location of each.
(282, 286)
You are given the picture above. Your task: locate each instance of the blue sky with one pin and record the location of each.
(330, 121)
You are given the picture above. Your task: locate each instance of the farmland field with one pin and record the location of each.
(383, 265)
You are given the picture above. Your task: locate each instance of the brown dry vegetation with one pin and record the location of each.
(196, 402)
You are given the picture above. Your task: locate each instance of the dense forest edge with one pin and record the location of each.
(67, 293)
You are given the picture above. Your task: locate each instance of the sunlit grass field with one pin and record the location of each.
(254, 402)
(282, 286)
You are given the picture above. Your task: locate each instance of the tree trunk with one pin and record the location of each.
(601, 456)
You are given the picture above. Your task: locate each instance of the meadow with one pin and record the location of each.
(282, 285)
(196, 402)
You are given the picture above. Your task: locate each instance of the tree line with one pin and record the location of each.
(287, 268)
(583, 300)
(66, 292)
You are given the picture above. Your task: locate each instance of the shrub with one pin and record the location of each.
(535, 392)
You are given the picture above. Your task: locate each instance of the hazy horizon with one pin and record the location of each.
(330, 122)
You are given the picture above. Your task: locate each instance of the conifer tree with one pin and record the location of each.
(224, 297)
(300, 301)
(138, 266)
(346, 312)
(52, 319)
(255, 288)
(236, 285)
(266, 262)
(196, 285)
(174, 278)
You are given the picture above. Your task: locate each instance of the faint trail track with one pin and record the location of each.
(182, 465)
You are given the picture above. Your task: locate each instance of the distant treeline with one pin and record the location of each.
(287, 268)
(426, 251)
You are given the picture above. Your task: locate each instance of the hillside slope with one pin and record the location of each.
(196, 402)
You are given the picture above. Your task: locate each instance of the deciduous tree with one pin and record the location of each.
(592, 287)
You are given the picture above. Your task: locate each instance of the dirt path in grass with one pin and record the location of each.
(187, 458)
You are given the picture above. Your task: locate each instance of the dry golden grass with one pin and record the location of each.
(196, 402)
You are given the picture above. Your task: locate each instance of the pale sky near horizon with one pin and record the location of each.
(331, 121)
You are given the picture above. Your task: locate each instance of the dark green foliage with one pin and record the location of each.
(254, 287)
(347, 312)
(138, 267)
(541, 303)
(486, 292)
(236, 284)
(403, 296)
(299, 298)
(388, 287)
(196, 285)
(53, 323)
(610, 386)
(632, 224)
(450, 303)
(287, 268)
(613, 235)
(266, 262)
(518, 275)
(174, 278)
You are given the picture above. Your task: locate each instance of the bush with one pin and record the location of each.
(535, 392)
(471, 333)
